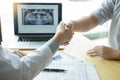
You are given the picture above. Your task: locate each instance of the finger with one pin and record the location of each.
(19, 53)
(91, 52)
(69, 24)
(66, 28)
(23, 54)
(16, 53)
(65, 43)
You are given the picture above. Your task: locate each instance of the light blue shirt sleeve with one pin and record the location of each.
(26, 68)
(105, 11)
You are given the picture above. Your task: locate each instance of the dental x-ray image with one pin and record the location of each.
(37, 16)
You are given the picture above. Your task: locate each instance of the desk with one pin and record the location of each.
(107, 69)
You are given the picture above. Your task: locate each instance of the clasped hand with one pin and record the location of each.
(64, 33)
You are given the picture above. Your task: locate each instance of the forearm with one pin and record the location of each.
(85, 23)
(53, 45)
(35, 62)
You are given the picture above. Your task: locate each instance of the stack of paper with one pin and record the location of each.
(74, 69)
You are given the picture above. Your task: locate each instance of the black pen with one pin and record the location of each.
(54, 70)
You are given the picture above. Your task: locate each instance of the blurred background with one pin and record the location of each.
(71, 9)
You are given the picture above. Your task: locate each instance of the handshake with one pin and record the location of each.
(64, 33)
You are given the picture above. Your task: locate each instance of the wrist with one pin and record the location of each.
(57, 39)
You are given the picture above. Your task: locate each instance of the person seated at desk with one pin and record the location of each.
(109, 9)
(26, 67)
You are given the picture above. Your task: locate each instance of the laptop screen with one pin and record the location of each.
(36, 18)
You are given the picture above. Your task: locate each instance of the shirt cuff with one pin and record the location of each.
(53, 45)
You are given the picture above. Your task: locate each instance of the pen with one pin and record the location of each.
(54, 70)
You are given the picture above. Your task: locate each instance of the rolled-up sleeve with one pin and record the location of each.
(105, 11)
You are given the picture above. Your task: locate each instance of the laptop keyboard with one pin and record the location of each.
(34, 39)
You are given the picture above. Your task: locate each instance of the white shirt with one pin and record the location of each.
(110, 9)
(26, 68)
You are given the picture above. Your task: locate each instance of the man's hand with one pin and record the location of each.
(19, 53)
(105, 52)
(63, 34)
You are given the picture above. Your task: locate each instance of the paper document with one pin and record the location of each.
(73, 69)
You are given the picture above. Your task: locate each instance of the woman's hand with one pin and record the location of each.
(105, 52)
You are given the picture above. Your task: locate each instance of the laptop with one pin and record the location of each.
(34, 24)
